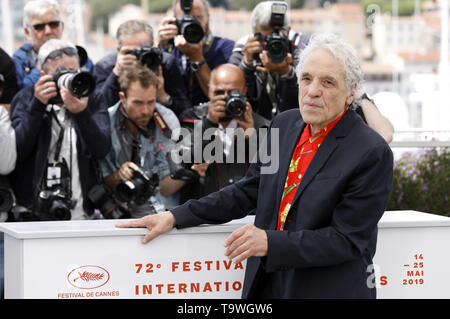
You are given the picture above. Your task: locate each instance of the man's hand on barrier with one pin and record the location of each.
(157, 224)
(245, 242)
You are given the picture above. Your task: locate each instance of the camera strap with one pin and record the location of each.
(144, 131)
(59, 143)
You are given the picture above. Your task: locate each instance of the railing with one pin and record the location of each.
(420, 138)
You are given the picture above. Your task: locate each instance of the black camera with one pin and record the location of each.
(188, 25)
(54, 201)
(138, 189)
(80, 84)
(181, 170)
(54, 205)
(148, 56)
(276, 44)
(236, 103)
(103, 199)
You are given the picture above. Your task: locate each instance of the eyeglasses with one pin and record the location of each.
(59, 53)
(41, 26)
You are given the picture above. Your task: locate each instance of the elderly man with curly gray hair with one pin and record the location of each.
(315, 229)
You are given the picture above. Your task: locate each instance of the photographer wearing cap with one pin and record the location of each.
(42, 21)
(230, 117)
(141, 132)
(135, 42)
(187, 36)
(61, 129)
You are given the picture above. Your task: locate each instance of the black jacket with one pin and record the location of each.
(331, 231)
(7, 69)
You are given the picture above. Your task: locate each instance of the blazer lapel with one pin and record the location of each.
(286, 150)
(325, 150)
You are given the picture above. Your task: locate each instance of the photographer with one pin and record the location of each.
(8, 79)
(141, 139)
(61, 128)
(272, 85)
(197, 51)
(231, 116)
(135, 42)
(42, 21)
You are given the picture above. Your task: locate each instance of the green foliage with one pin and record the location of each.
(421, 182)
(159, 6)
(405, 7)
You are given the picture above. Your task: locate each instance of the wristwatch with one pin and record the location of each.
(366, 97)
(197, 65)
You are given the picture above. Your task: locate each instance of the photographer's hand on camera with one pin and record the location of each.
(268, 66)
(167, 30)
(124, 60)
(252, 47)
(247, 123)
(74, 105)
(217, 109)
(45, 88)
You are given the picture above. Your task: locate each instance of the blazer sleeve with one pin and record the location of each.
(353, 223)
(27, 118)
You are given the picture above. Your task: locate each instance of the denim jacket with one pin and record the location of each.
(152, 155)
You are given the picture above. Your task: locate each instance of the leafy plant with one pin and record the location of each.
(421, 182)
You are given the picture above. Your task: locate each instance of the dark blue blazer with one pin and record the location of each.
(331, 231)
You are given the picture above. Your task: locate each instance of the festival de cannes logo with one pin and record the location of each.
(88, 277)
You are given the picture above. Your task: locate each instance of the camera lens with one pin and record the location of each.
(151, 60)
(59, 210)
(193, 33)
(125, 191)
(277, 51)
(82, 84)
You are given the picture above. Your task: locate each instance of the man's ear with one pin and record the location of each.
(122, 97)
(27, 33)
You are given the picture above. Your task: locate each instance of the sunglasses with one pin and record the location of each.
(59, 53)
(51, 24)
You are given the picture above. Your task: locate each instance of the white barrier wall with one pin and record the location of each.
(93, 259)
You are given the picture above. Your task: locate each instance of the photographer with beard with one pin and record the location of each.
(61, 129)
(141, 132)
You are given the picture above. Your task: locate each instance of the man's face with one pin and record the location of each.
(70, 62)
(134, 41)
(50, 31)
(139, 102)
(224, 81)
(323, 94)
(198, 11)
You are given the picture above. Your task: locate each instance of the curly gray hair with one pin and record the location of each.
(345, 54)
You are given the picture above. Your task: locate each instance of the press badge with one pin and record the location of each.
(53, 176)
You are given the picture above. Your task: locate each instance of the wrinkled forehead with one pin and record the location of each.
(323, 62)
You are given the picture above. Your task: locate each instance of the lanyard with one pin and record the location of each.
(59, 143)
